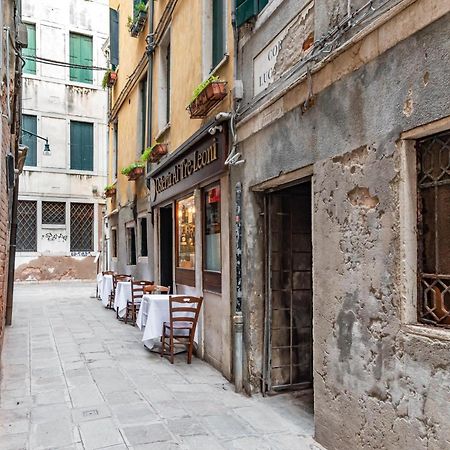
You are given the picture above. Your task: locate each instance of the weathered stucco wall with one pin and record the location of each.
(376, 384)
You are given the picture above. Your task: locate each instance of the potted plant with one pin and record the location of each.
(134, 170)
(136, 24)
(154, 153)
(110, 190)
(109, 79)
(205, 96)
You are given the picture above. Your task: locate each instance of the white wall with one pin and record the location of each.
(55, 100)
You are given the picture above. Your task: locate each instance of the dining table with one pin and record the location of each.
(122, 297)
(153, 312)
(105, 287)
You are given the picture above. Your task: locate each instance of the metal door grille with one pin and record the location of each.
(54, 213)
(289, 343)
(26, 226)
(81, 227)
(433, 158)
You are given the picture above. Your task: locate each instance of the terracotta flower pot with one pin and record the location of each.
(110, 192)
(112, 78)
(207, 99)
(135, 173)
(158, 151)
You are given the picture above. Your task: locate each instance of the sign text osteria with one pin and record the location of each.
(187, 167)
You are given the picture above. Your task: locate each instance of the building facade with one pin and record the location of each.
(10, 100)
(345, 132)
(172, 225)
(65, 127)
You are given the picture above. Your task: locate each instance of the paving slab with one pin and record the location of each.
(73, 377)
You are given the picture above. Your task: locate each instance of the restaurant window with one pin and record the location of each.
(29, 53)
(81, 55)
(143, 233)
(131, 245)
(26, 226)
(186, 233)
(29, 125)
(81, 227)
(212, 265)
(81, 146)
(114, 242)
(433, 161)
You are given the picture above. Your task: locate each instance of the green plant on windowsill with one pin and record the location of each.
(202, 86)
(128, 169)
(109, 187)
(140, 7)
(148, 152)
(105, 80)
(129, 23)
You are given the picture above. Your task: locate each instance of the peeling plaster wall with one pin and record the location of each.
(376, 384)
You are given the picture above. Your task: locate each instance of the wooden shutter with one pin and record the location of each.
(30, 65)
(246, 9)
(29, 123)
(81, 54)
(81, 146)
(114, 37)
(218, 44)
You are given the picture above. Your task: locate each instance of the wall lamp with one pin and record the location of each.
(46, 146)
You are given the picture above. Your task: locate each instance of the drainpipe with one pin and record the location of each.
(238, 319)
(150, 51)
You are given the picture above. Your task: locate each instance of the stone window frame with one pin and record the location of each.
(408, 229)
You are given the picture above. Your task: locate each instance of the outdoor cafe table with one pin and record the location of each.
(122, 296)
(105, 286)
(153, 312)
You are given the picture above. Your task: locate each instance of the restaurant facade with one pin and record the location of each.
(345, 131)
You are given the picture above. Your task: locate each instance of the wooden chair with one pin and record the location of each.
(116, 279)
(184, 311)
(137, 291)
(156, 289)
(108, 272)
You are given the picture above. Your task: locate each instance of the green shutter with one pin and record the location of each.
(218, 43)
(29, 123)
(247, 9)
(80, 54)
(81, 146)
(114, 37)
(30, 65)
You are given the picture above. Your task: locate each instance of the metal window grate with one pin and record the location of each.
(81, 227)
(26, 226)
(433, 159)
(53, 213)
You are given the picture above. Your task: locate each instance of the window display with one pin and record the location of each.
(212, 229)
(186, 233)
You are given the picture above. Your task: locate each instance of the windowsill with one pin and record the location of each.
(53, 226)
(142, 258)
(219, 65)
(82, 85)
(429, 332)
(163, 131)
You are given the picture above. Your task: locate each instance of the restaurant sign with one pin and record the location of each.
(189, 169)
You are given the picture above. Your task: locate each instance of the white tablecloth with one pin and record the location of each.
(123, 295)
(105, 286)
(154, 311)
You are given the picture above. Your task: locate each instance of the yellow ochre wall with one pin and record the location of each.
(186, 25)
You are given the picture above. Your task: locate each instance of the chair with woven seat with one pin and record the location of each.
(184, 312)
(137, 291)
(116, 279)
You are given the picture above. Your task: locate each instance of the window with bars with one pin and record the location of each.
(26, 226)
(433, 162)
(81, 227)
(53, 213)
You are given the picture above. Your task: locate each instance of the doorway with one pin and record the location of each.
(288, 314)
(166, 245)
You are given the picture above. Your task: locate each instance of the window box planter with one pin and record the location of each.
(133, 171)
(137, 25)
(110, 192)
(212, 94)
(154, 153)
(109, 79)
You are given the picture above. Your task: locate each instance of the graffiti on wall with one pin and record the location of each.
(51, 237)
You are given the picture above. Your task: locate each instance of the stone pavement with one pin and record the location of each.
(73, 377)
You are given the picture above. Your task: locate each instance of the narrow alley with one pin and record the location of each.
(73, 377)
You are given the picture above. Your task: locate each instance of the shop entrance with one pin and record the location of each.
(288, 314)
(166, 245)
